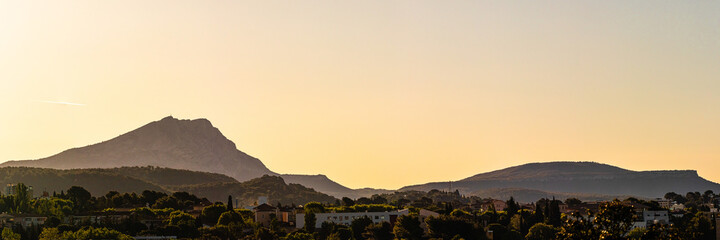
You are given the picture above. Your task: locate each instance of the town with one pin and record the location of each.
(75, 214)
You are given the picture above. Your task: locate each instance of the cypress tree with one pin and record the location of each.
(230, 203)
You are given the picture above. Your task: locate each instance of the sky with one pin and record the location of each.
(373, 93)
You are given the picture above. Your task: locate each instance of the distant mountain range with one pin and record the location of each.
(579, 178)
(198, 146)
(180, 144)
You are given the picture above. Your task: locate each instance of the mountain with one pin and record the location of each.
(579, 178)
(273, 187)
(181, 144)
(322, 183)
(170, 142)
(213, 186)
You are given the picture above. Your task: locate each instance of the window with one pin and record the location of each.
(376, 217)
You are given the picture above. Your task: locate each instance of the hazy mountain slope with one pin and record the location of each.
(531, 195)
(168, 177)
(97, 183)
(322, 183)
(173, 143)
(273, 187)
(580, 177)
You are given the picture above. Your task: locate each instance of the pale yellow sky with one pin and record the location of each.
(374, 93)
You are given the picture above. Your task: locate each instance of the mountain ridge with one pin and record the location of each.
(591, 178)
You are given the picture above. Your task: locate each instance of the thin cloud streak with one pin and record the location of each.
(63, 103)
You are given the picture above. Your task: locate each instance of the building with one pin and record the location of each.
(10, 189)
(264, 214)
(665, 203)
(6, 220)
(347, 217)
(488, 205)
(649, 217)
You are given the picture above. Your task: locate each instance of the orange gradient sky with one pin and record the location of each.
(373, 93)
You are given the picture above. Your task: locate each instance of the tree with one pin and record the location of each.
(314, 207)
(358, 226)
(89, 233)
(211, 214)
(447, 227)
(50, 234)
(21, 199)
(512, 207)
(379, 231)
(230, 203)
(8, 234)
(572, 201)
(264, 234)
(299, 236)
(614, 220)
(80, 197)
(576, 227)
(408, 227)
(310, 222)
(553, 216)
(341, 234)
(229, 217)
(541, 231)
(347, 201)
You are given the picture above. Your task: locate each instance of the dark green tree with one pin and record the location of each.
(310, 221)
(230, 203)
(379, 231)
(358, 226)
(541, 231)
(80, 197)
(614, 220)
(408, 227)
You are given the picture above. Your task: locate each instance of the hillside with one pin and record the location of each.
(580, 178)
(322, 183)
(273, 187)
(170, 142)
(96, 182)
(215, 187)
(530, 195)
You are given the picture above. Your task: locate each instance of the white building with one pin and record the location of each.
(347, 217)
(652, 217)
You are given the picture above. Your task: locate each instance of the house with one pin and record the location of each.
(28, 220)
(264, 214)
(488, 205)
(650, 217)
(346, 218)
(6, 220)
(424, 214)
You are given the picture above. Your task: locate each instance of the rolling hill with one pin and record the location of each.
(215, 187)
(579, 178)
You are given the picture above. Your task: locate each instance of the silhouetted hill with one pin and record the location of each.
(96, 182)
(215, 187)
(170, 142)
(322, 183)
(581, 178)
(273, 187)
